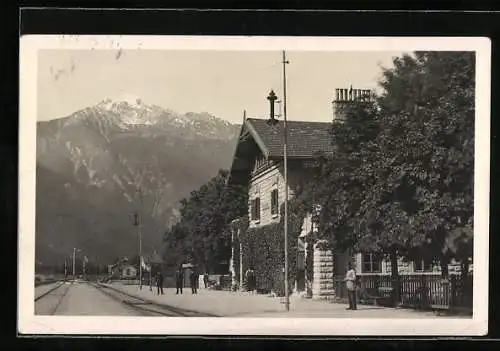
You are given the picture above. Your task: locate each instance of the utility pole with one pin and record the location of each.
(272, 122)
(84, 260)
(138, 223)
(285, 156)
(74, 262)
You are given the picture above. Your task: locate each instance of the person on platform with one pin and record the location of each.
(179, 279)
(194, 280)
(250, 278)
(159, 282)
(205, 279)
(350, 279)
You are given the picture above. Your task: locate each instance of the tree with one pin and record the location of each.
(202, 232)
(428, 111)
(401, 178)
(344, 178)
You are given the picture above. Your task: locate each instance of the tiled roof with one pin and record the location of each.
(304, 138)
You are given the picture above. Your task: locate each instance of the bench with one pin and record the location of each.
(382, 294)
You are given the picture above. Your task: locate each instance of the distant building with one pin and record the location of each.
(122, 270)
(128, 271)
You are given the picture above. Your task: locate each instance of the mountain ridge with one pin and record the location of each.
(98, 163)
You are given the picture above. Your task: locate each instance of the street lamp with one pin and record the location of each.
(272, 121)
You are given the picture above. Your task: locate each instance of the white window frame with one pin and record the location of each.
(421, 266)
(373, 260)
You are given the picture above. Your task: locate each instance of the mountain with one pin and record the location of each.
(100, 165)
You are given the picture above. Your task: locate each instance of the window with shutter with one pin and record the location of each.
(255, 209)
(274, 202)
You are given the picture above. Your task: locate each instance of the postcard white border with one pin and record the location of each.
(28, 323)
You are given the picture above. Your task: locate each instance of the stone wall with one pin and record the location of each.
(322, 286)
(261, 187)
(265, 182)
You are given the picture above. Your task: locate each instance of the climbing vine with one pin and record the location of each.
(263, 250)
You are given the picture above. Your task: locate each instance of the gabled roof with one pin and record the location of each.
(304, 138)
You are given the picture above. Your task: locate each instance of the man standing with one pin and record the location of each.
(194, 280)
(205, 279)
(179, 280)
(251, 280)
(350, 280)
(247, 279)
(159, 282)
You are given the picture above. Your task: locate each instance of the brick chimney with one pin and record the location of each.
(348, 96)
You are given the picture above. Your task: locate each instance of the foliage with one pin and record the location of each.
(429, 149)
(346, 176)
(263, 249)
(401, 178)
(202, 235)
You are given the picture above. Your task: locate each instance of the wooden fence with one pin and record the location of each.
(415, 291)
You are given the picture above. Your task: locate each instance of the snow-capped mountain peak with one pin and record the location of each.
(131, 109)
(130, 112)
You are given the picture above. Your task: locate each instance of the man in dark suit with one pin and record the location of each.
(205, 279)
(194, 280)
(179, 279)
(159, 282)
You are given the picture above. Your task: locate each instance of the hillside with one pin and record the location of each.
(98, 166)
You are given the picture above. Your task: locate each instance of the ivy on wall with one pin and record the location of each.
(263, 249)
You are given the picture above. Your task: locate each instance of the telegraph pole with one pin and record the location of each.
(83, 265)
(138, 223)
(285, 161)
(272, 122)
(74, 262)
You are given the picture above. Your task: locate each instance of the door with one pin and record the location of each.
(301, 271)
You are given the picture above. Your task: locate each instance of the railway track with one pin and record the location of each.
(147, 307)
(42, 295)
(59, 290)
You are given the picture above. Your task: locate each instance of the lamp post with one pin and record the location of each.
(65, 268)
(272, 121)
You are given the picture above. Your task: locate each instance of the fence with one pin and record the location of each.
(415, 291)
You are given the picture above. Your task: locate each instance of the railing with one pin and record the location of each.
(415, 291)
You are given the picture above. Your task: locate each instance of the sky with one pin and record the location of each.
(222, 83)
